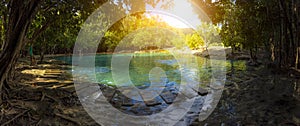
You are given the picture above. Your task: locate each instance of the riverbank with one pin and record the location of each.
(43, 95)
(258, 96)
(214, 51)
(224, 51)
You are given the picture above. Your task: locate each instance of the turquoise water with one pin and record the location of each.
(141, 65)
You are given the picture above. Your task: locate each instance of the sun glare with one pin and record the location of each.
(170, 20)
(182, 9)
(174, 22)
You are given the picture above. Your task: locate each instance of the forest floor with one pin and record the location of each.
(45, 95)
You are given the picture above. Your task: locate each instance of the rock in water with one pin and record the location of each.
(170, 84)
(102, 70)
(202, 91)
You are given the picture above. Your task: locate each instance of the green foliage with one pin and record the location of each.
(111, 40)
(178, 42)
(209, 33)
(255, 24)
(55, 30)
(138, 31)
(154, 36)
(194, 41)
(57, 23)
(240, 25)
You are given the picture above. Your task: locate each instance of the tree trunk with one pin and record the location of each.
(2, 46)
(253, 59)
(42, 57)
(281, 37)
(297, 58)
(42, 54)
(20, 18)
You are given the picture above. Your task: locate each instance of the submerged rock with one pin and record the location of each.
(168, 62)
(102, 70)
(170, 84)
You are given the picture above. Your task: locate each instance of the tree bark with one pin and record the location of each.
(297, 58)
(20, 17)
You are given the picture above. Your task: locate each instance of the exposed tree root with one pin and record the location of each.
(68, 118)
(17, 116)
(42, 105)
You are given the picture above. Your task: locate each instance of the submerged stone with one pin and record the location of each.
(168, 97)
(167, 62)
(170, 84)
(102, 70)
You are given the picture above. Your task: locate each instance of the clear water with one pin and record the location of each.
(141, 65)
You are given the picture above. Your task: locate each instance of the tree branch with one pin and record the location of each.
(41, 30)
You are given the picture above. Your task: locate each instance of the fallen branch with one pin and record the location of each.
(68, 118)
(2, 115)
(51, 98)
(15, 117)
(43, 96)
